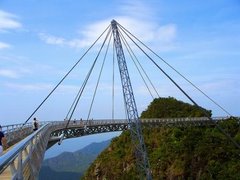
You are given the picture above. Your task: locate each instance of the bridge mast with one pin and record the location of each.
(131, 108)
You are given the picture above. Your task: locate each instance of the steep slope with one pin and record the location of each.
(174, 153)
(72, 165)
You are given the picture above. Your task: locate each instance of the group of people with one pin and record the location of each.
(3, 140)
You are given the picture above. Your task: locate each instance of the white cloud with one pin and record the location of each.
(137, 19)
(49, 39)
(136, 8)
(8, 21)
(151, 32)
(63, 89)
(166, 33)
(8, 73)
(29, 87)
(4, 45)
(22, 67)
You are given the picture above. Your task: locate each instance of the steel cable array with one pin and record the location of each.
(118, 33)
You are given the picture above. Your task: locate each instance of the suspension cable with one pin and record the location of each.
(86, 80)
(113, 81)
(136, 65)
(99, 77)
(206, 114)
(201, 91)
(134, 59)
(75, 99)
(64, 77)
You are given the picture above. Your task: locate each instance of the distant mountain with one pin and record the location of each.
(70, 165)
(48, 174)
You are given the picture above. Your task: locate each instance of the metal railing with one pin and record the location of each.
(27, 155)
(7, 129)
(10, 129)
(16, 132)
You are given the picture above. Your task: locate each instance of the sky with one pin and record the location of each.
(41, 40)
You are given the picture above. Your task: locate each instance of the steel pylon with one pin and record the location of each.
(131, 108)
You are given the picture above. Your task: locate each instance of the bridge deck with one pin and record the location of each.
(28, 153)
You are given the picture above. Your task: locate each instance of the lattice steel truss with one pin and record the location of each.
(131, 108)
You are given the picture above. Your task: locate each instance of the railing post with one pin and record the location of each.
(13, 169)
(20, 168)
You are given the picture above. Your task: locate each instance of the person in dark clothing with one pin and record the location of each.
(2, 140)
(35, 124)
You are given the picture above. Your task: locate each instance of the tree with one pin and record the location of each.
(170, 107)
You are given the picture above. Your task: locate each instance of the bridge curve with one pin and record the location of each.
(79, 128)
(24, 160)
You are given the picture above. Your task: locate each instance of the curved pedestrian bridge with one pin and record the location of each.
(23, 160)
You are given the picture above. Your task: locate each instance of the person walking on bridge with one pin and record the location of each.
(3, 141)
(35, 124)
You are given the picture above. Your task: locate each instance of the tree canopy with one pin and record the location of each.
(170, 107)
(174, 152)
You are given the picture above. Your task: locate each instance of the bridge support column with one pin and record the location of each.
(131, 108)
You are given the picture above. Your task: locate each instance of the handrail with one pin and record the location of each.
(7, 128)
(8, 158)
(13, 127)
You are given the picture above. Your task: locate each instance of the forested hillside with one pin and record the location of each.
(71, 165)
(174, 153)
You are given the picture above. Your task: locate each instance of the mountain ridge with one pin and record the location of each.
(73, 164)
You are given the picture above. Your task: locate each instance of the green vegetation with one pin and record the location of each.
(170, 107)
(174, 153)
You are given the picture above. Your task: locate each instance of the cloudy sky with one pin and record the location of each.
(41, 40)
